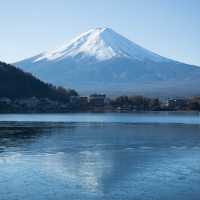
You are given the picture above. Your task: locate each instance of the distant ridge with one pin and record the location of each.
(101, 60)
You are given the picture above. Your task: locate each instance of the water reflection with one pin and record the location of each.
(99, 161)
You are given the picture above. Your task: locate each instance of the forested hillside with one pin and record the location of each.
(14, 83)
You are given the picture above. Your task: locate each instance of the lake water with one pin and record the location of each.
(141, 156)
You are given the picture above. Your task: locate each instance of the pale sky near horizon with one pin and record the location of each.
(170, 28)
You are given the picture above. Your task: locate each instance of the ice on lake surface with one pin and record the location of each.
(101, 157)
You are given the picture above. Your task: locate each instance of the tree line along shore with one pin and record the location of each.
(96, 103)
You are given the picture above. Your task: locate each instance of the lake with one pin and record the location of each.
(140, 156)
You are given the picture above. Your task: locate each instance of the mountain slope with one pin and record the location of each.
(102, 60)
(15, 83)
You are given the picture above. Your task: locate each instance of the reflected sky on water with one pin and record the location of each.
(99, 161)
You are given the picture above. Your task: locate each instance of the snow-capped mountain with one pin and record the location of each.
(102, 44)
(101, 60)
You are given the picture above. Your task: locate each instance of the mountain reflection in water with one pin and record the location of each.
(99, 161)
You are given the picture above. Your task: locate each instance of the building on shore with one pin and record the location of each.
(177, 103)
(84, 100)
(97, 100)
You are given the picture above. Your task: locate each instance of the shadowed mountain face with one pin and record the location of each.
(101, 60)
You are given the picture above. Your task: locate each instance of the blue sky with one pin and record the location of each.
(168, 27)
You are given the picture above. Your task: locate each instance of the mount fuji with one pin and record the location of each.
(101, 60)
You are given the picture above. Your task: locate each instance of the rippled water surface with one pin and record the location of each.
(153, 156)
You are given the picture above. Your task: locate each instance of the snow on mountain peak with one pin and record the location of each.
(102, 44)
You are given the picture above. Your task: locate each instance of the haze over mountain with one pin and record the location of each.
(101, 60)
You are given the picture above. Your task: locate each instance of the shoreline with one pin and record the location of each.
(107, 112)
